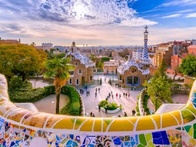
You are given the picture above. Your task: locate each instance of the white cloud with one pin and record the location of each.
(138, 22)
(191, 15)
(172, 16)
(178, 2)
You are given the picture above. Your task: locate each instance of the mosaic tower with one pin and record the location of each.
(145, 59)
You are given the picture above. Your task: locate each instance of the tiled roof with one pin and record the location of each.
(83, 59)
(125, 66)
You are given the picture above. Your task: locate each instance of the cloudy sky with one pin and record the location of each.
(97, 22)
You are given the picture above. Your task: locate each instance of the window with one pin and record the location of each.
(77, 81)
(91, 78)
(71, 72)
(79, 71)
(120, 77)
(76, 63)
(70, 82)
(132, 80)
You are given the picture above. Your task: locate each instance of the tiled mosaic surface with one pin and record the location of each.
(20, 127)
(13, 136)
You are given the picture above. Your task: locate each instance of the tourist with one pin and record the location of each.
(125, 114)
(99, 108)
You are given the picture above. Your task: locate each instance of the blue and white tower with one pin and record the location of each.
(145, 58)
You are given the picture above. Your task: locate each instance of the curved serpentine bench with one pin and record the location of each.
(21, 127)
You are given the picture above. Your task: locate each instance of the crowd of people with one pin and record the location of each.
(111, 94)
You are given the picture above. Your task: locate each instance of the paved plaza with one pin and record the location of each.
(91, 102)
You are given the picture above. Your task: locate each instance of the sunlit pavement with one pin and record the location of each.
(91, 102)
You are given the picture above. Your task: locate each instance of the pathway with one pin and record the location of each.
(48, 104)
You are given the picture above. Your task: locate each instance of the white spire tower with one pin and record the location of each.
(145, 59)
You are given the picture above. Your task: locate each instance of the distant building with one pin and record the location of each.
(135, 71)
(163, 54)
(137, 54)
(63, 49)
(193, 42)
(110, 67)
(176, 60)
(192, 50)
(47, 46)
(10, 41)
(83, 72)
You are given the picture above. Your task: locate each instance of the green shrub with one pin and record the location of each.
(74, 105)
(32, 95)
(103, 103)
(16, 84)
(110, 106)
(48, 90)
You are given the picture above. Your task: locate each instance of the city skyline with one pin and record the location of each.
(100, 22)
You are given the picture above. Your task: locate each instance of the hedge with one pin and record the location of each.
(110, 106)
(74, 106)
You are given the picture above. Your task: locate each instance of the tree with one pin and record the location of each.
(20, 60)
(159, 87)
(159, 90)
(58, 69)
(176, 71)
(188, 66)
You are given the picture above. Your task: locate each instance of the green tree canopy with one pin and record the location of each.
(58, 69)
(21, 60)
(188, 66)
(159, 87)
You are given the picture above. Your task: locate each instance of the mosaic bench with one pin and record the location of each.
(21, 127)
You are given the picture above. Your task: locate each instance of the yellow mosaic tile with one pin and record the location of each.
(87, 126)
(168, 120)
(145, 123)
(65, 123)
(177, 115)
(157, 119)
(78, 122)
(121, 124)
(97, 125)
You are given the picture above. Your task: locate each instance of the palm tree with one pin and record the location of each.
(58, 69)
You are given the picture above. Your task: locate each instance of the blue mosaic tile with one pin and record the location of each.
(160, 138)
(194, 100)
(117, 140)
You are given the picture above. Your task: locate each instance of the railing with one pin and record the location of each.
(20, 127)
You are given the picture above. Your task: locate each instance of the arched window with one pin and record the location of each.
(77, 81)
(70, 82)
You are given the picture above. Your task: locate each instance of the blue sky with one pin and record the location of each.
(97, 22)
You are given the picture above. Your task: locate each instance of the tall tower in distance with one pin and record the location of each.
(145, 58)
